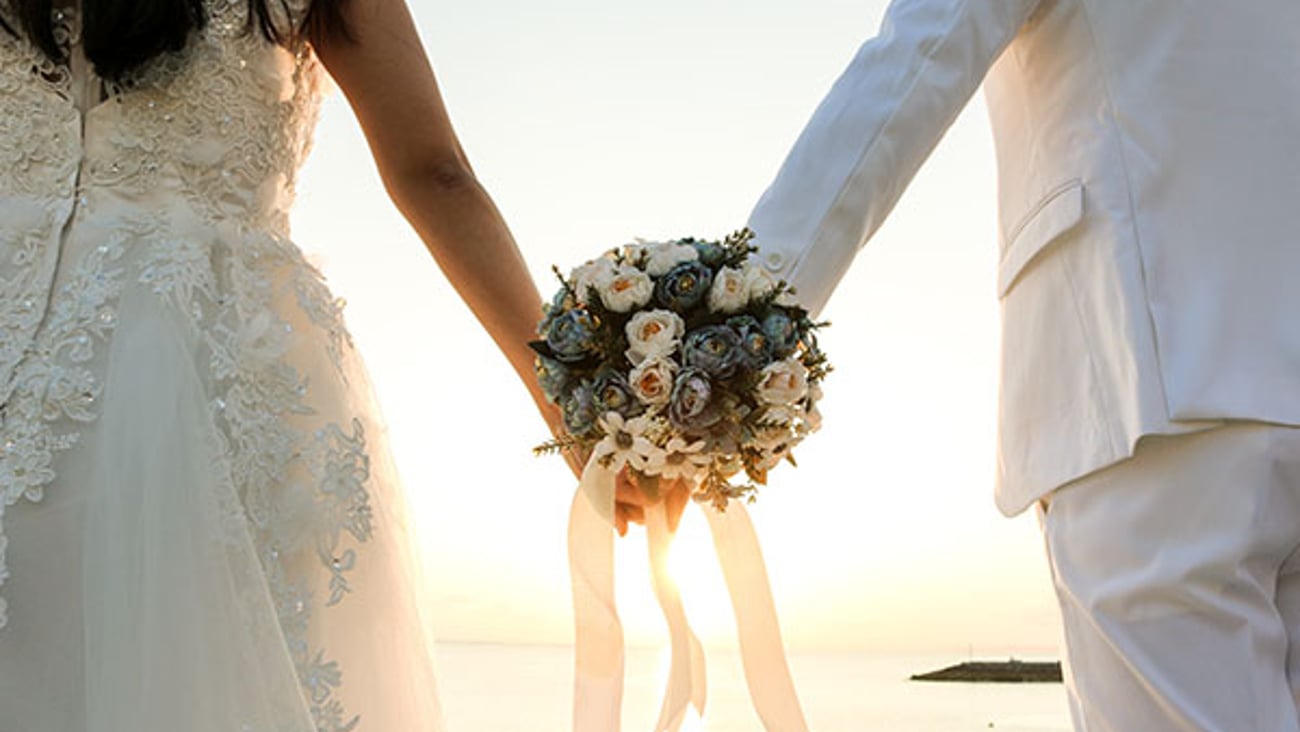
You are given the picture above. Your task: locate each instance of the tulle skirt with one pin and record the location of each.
(220, 542)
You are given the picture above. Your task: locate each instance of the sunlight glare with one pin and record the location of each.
(694, 566)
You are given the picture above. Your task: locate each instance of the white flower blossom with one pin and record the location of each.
(679, 459)
(624, 443)
(626, 289)
(783, 382)
(652, 380)
(653, 333)
(663, 256)
(730, 292)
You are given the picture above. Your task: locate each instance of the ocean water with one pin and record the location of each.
(502, 688)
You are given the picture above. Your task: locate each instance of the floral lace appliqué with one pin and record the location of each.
(54, 385)
(214, 134)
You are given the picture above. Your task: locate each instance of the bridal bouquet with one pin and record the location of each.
(682, 360)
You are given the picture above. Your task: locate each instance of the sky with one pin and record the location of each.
(592, 123)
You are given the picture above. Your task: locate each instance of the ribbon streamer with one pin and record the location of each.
(598, 643)
(598, 680)
(761, 651)
(686, 678)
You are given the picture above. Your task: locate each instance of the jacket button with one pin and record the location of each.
(774, 261)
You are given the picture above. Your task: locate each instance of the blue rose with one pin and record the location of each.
(691, 407)
(580, 410)
(612, 393)
(553, 309)
(755, 346)
(684, 286)
(553, 377)
(782, 332)
(711, 253)
(713, 349)
(572, 335)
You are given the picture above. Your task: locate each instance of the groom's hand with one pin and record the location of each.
(631, 501)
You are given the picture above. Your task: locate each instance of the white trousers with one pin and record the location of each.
(1179, 584)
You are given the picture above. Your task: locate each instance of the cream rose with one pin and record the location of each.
(783, 382)
(633, 252)
(592, 274)
(652, 380)
(626, 289)
(730, 292)
(758, 281)
(664, 256)
(653, 333)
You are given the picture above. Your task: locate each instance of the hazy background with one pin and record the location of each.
(595, 122)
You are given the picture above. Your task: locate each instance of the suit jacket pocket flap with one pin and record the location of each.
(1056, 214)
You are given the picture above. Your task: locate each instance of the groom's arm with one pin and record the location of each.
(871, 133)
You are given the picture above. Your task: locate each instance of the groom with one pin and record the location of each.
(1149, 171)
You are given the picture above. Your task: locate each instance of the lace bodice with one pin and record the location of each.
(226, 122)
(223, 124)
(177, 183)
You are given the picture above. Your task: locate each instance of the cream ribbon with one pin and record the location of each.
(598, 680)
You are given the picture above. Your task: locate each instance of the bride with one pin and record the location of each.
(200, 525)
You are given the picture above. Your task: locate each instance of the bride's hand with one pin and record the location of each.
(630, 501)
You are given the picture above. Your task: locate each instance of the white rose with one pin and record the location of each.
(758, 281)
(783, 382)
(653, 333)
(632, 253)
(652, 380)
(666, 255)
(730, 292)
(628, 288)
(592, 274)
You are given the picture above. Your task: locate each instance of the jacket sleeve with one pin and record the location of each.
(868, 137)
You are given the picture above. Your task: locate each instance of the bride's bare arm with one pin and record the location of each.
(386, 76)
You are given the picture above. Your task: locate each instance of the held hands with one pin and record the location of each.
(631, 500)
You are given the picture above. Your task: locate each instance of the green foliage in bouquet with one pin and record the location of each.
(682, 360)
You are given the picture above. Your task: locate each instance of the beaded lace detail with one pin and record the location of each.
(217, 132)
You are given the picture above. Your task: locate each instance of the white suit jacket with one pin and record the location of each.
(1149, 194)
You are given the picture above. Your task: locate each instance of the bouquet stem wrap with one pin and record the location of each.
(598, 684)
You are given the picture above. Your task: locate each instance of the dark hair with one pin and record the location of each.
(120, 36)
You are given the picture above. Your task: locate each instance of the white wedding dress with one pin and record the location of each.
(200, 525)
